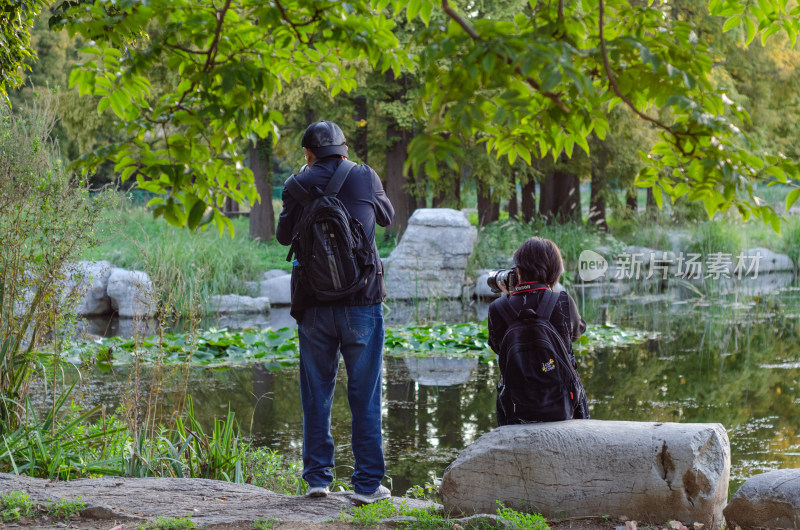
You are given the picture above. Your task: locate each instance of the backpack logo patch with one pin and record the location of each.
(549, 366)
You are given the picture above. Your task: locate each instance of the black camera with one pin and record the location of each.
(505, 277)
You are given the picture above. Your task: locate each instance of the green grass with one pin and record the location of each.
(790, 240)
(370, 515)
(168, 523)
(64, 508)
(715, 236)
(497, 241)
(265, 524)
(270, 470)
(521, 521)
(15, 505)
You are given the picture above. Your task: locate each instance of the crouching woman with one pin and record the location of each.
(532, 328)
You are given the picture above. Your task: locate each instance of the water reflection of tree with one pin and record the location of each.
(707, 367)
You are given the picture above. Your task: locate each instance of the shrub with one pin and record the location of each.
(46, 219)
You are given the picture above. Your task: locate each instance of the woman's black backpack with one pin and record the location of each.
(334, 258)
(537, 379)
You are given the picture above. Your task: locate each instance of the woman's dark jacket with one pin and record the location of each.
(363, 196)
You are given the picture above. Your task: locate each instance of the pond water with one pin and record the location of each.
(730, 356)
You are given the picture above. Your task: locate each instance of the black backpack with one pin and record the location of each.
(537, 379)
(334, 258)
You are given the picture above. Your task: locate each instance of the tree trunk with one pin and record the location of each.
(513, 206)
(488, 209)
(597, 201)
(571, 204)
(262, 216)
(395, 181)
(529, 200)
(651, 206)
(547, 198)
(560, 197)
(360, 142)
(632, 202)
(396, 187)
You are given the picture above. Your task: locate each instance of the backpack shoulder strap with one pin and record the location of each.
(338, 178)
(507, 312)
(547, 304)
(297, 190)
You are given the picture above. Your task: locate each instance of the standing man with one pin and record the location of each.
(352, 326)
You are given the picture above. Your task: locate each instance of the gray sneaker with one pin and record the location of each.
(317, 491)
(381, 493)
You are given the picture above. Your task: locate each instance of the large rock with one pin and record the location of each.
(234, 303)
(89, 281)
(131, 293)
(209, 502)
(649, 472)
(767, 260)
(278, 289)
(431, 258)
(768, 500)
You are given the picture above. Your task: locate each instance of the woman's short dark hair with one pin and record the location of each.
(539, 260)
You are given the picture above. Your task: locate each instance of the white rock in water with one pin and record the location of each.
(131, 293)
(234, 303)
(90, 280)
(431, 258)
(768, 500)
(764, 259)
(278, 289)
(650, 472)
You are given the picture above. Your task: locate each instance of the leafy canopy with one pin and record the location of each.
(232, 59)
(532, 82)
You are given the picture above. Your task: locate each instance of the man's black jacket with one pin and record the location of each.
(363, 196)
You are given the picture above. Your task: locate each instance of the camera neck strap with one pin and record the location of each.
(527, 287)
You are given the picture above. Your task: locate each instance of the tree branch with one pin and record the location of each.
(212, 50)
(285, 17)
(474, 36)
(615, 87)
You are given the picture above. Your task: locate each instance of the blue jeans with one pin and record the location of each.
(356, 332)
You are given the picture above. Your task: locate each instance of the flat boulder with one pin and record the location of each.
(131, 293)
(209, 502)
(430, 261)
(768, 500)
(648, 472)
(233, 303)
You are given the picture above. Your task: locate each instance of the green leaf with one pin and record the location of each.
(792, 197)
(731, 23)
(751, 30)
(196, 215)
(658, 198)
(412, 9)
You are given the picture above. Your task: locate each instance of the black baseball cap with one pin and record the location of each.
(325, 138)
